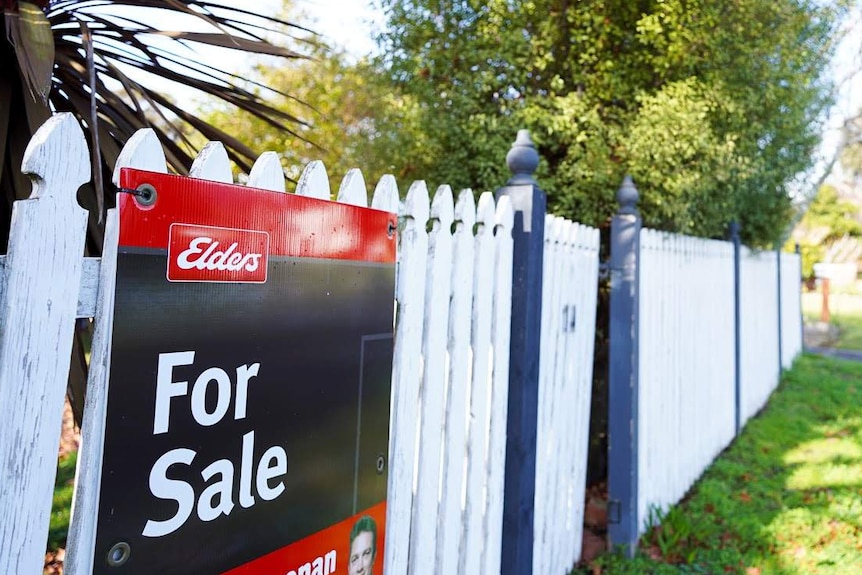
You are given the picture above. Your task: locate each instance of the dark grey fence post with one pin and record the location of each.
(623, 372)
(529, 203)
(737, 345)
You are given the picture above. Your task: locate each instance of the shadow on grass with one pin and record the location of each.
(785, 498)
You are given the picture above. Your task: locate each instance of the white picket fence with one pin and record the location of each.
(791, 307)
(450, 371)
(686, 340)
(687, 358)
(571, 266)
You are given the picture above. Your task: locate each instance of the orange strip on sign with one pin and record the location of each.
(328, 551)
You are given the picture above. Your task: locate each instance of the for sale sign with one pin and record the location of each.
(248, 404)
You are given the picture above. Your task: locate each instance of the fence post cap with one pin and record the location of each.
(627, 196)
(522, 159)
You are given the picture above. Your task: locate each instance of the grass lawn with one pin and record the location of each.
(784, 499)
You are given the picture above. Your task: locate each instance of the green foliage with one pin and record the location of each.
(783, 499)
(61, 508)
(713, 109)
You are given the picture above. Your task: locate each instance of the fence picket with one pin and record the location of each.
(406, 374)
(266, 173)
(314, 182)
(352, 190)
(499, 401)
(477, 431)
(212, 164)
(386, 195)
(142, 151)
(451, 523)
(423, 539)
(44, 259)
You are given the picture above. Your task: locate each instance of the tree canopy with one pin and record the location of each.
(713, 107)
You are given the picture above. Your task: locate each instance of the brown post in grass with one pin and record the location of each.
(824, 308)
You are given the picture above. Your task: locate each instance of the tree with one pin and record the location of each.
(354, 119)
(713, 109)
(829, 218)
(99, 60)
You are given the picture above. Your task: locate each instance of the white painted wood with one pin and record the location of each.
(423, 535)
(212, 163)
(759, 314)
(2, 286)
(791, 313)
(314, 181)
(386, 195)
(143, 152)
(451, 523)
(686, 363)
(89, 289)
(406, 374)
(352, 190)
(477, 431)
(43, 272)
(266, 173)
(499, 397)
(81, 541)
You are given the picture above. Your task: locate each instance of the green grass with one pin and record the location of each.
(62, 505)
(784, 499)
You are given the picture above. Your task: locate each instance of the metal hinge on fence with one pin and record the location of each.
(614, 511)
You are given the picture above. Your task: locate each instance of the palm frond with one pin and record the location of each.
(133, 58)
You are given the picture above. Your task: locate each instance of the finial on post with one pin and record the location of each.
(522, 159)
(734, 230)
(627, 196)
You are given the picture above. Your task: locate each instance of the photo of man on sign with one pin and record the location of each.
(363, 546)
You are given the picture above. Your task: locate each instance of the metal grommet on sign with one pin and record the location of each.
(381, 464)
(119, 554)
(390, 231)
(145, 195)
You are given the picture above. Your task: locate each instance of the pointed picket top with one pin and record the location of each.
(505, 215)
(314, 181)
(416, 206)
(143, 151)
(549, 227)
(573, 235)
(386, 195)
(465, 209)
(212, 164)
(352, 190)
(266, 173)
(443, 208)
(485, 210)
(59, 137)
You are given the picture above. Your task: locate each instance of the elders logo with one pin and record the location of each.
(209, 254)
